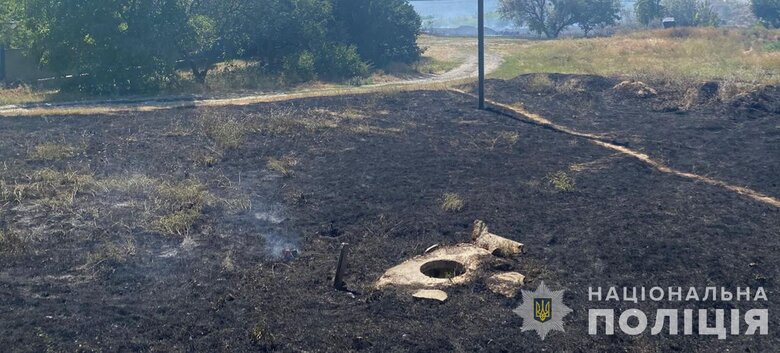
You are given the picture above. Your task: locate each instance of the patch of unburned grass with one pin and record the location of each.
(180, 205)
(114, 253)
(53, 151)
(508, 138)
(430, 65)
(540, 83)
(561, 181)
(226, 133)
(452, 202)
(167, 207)
(24, 94)
(48, 186)
(283, 166)
(671, 55)
(207, 160)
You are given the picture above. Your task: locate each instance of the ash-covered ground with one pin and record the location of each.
(218, 229)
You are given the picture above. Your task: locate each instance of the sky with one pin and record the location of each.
(455, 13)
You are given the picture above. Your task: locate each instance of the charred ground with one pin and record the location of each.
(88, 263)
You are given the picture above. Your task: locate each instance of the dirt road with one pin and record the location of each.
(466, 70)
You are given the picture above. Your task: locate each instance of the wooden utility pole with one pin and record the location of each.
(481, 52)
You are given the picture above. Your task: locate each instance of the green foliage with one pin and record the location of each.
(300, 67)
(384, 31)
(551, 17)
(561, 181)
(131, 46)
(12, 29)
(598, 13)
(773, 46)
(340, 60)
(690, 12)
(768, 11)
(114, 47)
(648, 10)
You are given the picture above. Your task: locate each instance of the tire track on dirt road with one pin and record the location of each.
(526, 116)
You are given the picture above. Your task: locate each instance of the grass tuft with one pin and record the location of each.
(53, 151)
(283, 166)
(561, 181)
(226, 133)
(181, 205)
(452, 202)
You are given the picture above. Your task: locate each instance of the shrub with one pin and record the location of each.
(299, 67)
(384, 31)
(341, 61)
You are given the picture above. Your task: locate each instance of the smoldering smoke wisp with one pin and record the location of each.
(280, 241)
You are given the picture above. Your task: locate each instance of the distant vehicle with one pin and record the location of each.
(669, 22)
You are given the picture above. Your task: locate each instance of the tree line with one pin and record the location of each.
(551, 17)
(127, 46)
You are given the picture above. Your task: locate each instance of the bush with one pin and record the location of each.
(773, 46)
(299, 67)
(116, 47)
(384, 31)
(122, 46)
(341, 61)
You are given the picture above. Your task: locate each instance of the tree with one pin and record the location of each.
(690, 12)
(598, 13)
(128, 46)
(705, 15)
(12, 29)
(548, 17)
(648, 10)
(551, 17)
(768, 11)
(383, 31)
(207, 37)
(111, 46)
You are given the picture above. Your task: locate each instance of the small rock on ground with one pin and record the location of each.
(431, 294)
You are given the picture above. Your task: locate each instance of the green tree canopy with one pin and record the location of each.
(768, 11)
(551, 17)
(112, 46)
(116, 46)
(690, 12)
(598, 13)
(383, 31)
(648, 10)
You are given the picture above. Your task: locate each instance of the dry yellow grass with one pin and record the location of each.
(283, 166)
(452, 202)
(53, 151)
(673, 55)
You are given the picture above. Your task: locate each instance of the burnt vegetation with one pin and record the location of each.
(239, 252)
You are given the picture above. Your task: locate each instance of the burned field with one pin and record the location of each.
(218, 229)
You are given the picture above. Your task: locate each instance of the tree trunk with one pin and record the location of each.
(199, 75)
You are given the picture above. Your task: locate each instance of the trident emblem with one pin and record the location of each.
(542, 309)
